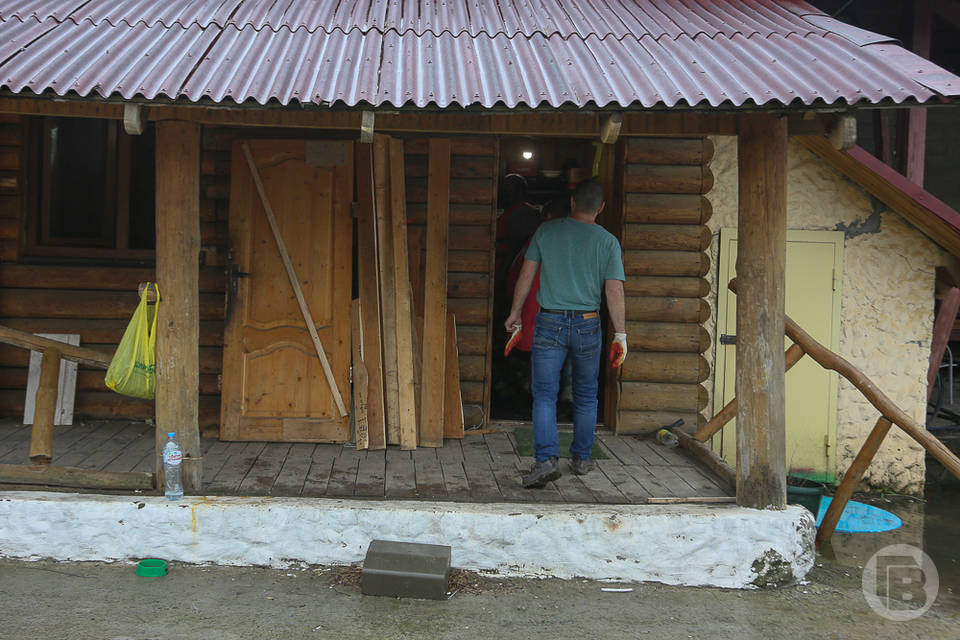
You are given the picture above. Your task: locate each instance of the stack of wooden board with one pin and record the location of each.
(409, 390)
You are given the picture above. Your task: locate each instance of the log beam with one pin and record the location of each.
(55, 476)
(761, 260)
(178, 150)
(41, 435)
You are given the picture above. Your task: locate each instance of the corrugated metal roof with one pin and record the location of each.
(452, 53)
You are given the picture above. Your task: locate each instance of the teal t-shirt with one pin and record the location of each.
(575, 259)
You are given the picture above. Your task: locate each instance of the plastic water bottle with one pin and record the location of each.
(667, 438)
(172, 457)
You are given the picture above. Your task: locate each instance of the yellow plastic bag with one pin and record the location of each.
(132, 371)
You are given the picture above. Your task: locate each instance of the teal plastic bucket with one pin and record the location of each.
(808, 497)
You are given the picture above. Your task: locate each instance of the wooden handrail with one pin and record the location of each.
(729, 412)
(829, 360)
(83, 355)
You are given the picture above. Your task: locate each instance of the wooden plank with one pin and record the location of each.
(649, 456)
(368, 286)
(451, 451)
(429, 474)
(455, 479)
(74, 304)
(407, 409)
(761, 260)
(483, 484)
(573, 490)
(178, 314)
(509, 482)
(213, 460)
(435, 321)
(401, 481)
(293, 474)
(131, 434)
(388, 287)
(452, 402)
(82, 355)
(82, 449)
(603, 489)
(626, 484)
(343, 476)
(103, 331)
(623, 452)
(702, 484)
(361, 433)
(259, 480)
(371, 475)
(660, 482)
(320, 469)
(501, 449)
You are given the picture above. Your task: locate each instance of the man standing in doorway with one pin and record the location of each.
(579, 261)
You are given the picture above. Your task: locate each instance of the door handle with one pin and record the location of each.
(233, 286)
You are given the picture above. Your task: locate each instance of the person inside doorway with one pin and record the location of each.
(579, 261)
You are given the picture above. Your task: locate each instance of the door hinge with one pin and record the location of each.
(834, 278)
(826, 441)
(219, 382)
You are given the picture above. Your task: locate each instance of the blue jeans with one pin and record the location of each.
(555, 336)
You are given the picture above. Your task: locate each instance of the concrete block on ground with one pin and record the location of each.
(406, 569)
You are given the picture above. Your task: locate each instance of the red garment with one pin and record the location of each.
(528, 315)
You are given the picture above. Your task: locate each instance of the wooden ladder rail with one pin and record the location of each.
(41, 435)
(890, 413)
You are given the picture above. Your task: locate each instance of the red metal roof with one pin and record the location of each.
(450, 53)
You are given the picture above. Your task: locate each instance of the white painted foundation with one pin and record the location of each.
(718, 545)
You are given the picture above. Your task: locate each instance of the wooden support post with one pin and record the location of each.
(729, 412)
(851, 479)
(942, 327)
(41, 436)
(361, 437)
(435, 295)
(761, 260)
(178, 273)
(912, 126)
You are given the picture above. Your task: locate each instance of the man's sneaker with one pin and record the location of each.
(581, 467)
(542, 472)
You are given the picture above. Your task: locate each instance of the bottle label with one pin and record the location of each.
(174, 458)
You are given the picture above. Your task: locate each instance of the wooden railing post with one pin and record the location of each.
(761, 263)
(851, 479)
(178, 274)
(41, 436)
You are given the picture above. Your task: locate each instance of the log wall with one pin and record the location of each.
(665, 239)
(97, 301)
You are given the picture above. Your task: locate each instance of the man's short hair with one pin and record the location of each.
(588, 196)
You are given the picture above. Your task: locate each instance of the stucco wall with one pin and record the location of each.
(887, 308)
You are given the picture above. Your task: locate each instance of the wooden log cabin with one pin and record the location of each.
(90, 206)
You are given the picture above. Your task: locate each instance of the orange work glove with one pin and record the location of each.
(618, 350)
(514, 338)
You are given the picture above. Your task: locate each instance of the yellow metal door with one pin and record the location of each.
(814, 267)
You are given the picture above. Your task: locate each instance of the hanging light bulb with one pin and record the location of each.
(527, 155)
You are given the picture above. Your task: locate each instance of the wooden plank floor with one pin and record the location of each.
(479, 468)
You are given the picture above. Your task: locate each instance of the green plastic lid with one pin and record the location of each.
(152, 568)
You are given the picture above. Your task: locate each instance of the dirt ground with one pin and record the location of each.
(79, 601)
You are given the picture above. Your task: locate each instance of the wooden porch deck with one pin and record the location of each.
(480, 468)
